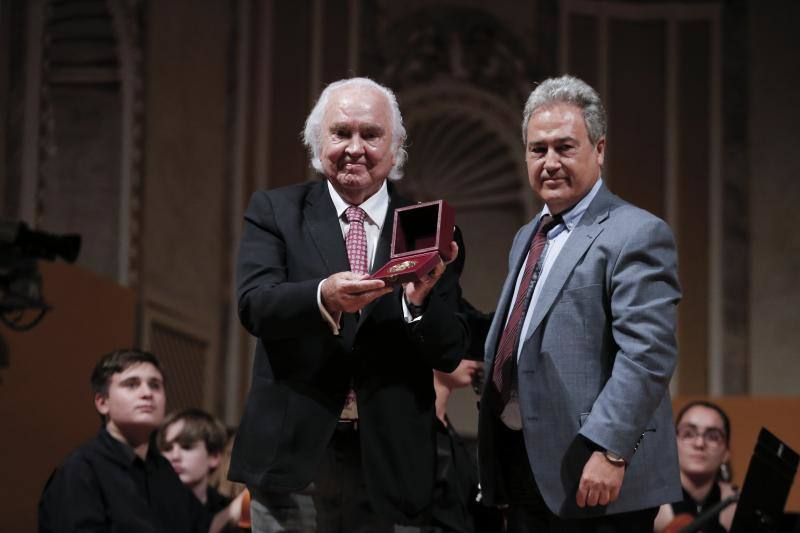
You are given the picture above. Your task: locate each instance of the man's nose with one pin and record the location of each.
(552, 162)
(355, 145)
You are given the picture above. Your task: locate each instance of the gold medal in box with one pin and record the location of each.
(421, 233)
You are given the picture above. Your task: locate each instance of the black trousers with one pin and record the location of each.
(527, 511)
(340, 497)
(335, 502)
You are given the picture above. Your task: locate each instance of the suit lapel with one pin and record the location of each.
(584, 234)
(518, 255)
(383, 250)
(320, 218)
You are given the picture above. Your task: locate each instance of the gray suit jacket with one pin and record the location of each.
(596, 361)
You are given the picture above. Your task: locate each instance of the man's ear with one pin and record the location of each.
(394, 152)
(601, 150)
(213, 460)
(101, 404)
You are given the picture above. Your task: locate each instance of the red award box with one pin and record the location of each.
(421, 233)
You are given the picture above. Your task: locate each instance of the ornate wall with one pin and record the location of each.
(119, 132)
(146, 125)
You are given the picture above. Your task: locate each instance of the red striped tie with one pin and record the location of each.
(503, 367)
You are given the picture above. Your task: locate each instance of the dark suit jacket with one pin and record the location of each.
(596, 361)
(302, 372)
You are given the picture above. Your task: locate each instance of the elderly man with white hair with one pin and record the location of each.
(338, 429)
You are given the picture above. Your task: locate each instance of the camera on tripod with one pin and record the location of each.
(20, 279)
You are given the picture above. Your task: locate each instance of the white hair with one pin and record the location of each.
(312, 133)
(569, 90)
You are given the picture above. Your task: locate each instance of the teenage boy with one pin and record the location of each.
(118, 481)
(192, 441)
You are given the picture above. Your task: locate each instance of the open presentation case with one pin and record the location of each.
(421, 233)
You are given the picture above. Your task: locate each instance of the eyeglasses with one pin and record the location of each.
(712, 436)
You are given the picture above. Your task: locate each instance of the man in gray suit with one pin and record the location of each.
(575, 426)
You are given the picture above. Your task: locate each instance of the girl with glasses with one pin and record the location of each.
(703, 433)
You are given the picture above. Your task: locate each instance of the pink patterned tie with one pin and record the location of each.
(502, 375)
(356, 240)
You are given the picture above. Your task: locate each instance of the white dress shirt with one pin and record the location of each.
(556, 238)
(375, 208)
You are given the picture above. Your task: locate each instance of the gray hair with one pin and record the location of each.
(312, 133)
(569, 90)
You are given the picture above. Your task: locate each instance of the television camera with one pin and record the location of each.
(20, 279)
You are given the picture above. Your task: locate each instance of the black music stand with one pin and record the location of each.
(766, 486)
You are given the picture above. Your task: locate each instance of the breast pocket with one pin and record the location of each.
(587, 292)
(577, 325)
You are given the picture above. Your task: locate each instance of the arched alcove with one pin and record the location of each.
(461, 78)
(464, 147)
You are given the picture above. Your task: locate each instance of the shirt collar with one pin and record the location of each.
(124, 454)
(573, 216)
(375, 206)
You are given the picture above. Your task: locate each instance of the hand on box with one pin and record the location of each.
(417, 291)
(348, 292)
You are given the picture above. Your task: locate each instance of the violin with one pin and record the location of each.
(686, 523)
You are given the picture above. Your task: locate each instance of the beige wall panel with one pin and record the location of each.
(337, 17)
(291, 83)
(693, 203)
(5, 74)
(185, 241)
(583, 49)
(636, 102)
(487, 238)
(774, 198)
(185, 180)
(81, 188)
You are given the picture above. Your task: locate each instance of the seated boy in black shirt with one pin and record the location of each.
(118, 481)
(193, 441)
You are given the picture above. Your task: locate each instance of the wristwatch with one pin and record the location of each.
(613, 458)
